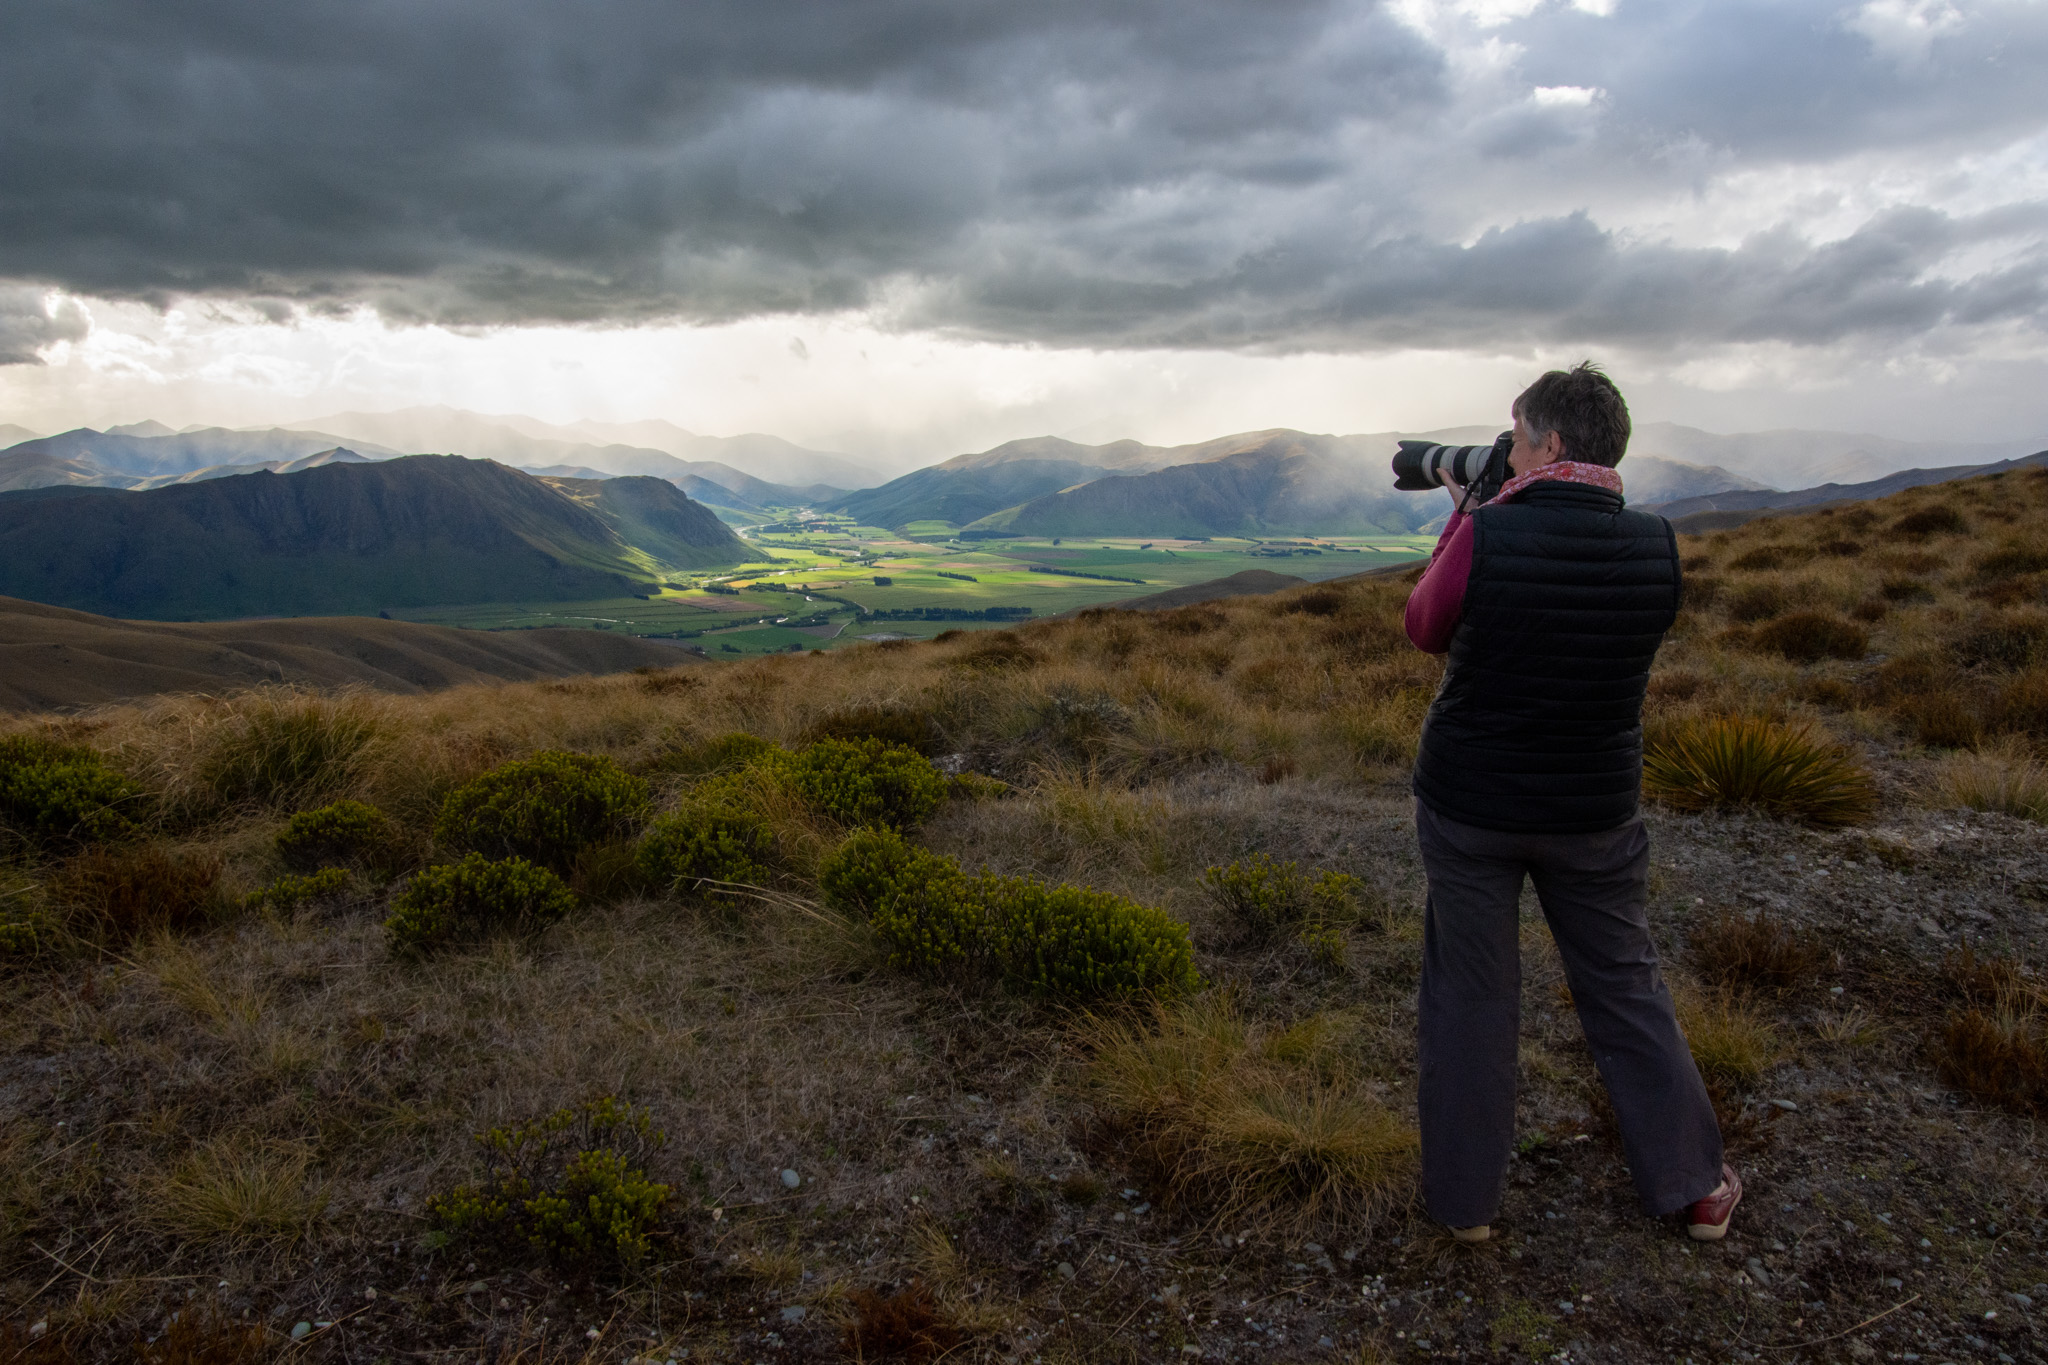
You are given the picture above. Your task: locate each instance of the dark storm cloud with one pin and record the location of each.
(1183, 172)
(28, 324)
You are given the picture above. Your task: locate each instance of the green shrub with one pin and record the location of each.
(543, 809)
(345, 832)
(1063, 941)
(1078, 944)
(288, 893)
(114, 895)
(705, 843)
(1749, 761)
(283, 748)
(571, 1187)
(869, 866)
(1265, 898)
(867, 782)
(474, 898)
(60, 795)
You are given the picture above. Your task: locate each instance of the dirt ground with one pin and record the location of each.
(949, 1139)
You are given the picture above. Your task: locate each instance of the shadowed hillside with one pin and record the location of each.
(1025, 994)
(341, 539)
(52, 658)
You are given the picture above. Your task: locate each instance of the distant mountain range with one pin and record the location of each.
(1251, 484)
(347, 538)
(1720, 510)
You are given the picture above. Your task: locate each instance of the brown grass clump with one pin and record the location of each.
(1750, 761)
(241, 1191)
(908, 1325)
(116, 895)
(2005, 778)
(1941, 519)
(1250, 1120)
(1732, 1042)
(1736, 951)
(1807, 637)
(1995, 1048)
(203, 1336)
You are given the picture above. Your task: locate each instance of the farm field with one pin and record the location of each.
(831, 575)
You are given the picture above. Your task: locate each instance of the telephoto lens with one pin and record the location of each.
(1419, 465)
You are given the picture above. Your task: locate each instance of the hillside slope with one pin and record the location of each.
(656, 518)
(341, 539)
(52, 658)
(183, 452)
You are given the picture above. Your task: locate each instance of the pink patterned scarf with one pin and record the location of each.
(1571, 471)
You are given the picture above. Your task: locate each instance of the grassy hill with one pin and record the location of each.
(249, 1113)
(338, 540)
(55, 659)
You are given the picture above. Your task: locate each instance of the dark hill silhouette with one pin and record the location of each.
(1719, 511)
(340, 539)
(53, 658)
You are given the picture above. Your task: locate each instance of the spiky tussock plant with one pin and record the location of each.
(1251, 1121)
(1750, 761)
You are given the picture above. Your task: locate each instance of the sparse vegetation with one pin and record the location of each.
(267, 1087)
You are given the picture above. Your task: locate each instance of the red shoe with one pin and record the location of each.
(1707, 1219)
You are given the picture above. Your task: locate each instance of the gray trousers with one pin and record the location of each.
(1593, 889)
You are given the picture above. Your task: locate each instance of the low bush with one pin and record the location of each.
(345, 832)
(1807, 637)
(867, 782)
(279, 747)
(1998, 1057)
(543, 809)
(1939, 720)
(869, 866)
(909, 1325)
(1061, 941)
(1749, 761)
(2011, 560)
(1902, 589)
(688, 852)
(58, 796)
(1249, 1121)
(2022, 704)
(1266, 899)
(571, 1187)
(114, 895)
(288, 893)
(475, 898)
(1739, 952)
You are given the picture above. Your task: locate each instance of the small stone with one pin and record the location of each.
(794, 1314)
(370, 1294)
(1066, 1270)
(1785, 1105)
(2021, 1300)
(592, 1334)
(35, 1332)
(1928, 926)
(1194, 1351)
(1756, 1272)
(790, 1180)
(301, 1330)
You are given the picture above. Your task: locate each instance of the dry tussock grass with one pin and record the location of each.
(1253, 1120)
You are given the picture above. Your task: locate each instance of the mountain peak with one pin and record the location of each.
(146, 427)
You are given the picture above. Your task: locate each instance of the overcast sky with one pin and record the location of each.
(908, 227)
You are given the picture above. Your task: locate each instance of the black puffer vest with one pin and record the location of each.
(1538, 727)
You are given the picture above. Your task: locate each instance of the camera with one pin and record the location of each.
(1420, 465)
